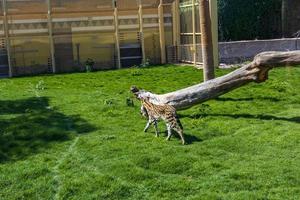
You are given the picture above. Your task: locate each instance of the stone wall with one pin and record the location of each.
(241, 51)
(233, 52)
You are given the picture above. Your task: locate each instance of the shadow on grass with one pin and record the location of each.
(28, 126)
(189, 139)
(247, 116)
(248, 99)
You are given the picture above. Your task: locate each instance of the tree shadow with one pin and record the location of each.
(274, 99)
(29, 126)
(247, 116)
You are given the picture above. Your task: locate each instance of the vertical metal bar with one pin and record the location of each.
(116, 18)
(194, 33)
(51, 40)
(162, 33)
(141, 23)
(7, 40)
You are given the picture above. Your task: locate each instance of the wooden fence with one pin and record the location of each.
(56, 36)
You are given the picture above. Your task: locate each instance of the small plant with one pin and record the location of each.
(129, 102)
(146, 63)
(89, 65)
(204, 108)
(108, 137)
(40, 85)
(280, 86)
(136, 68)
(37, 88)
(135, 71)
(108, 102)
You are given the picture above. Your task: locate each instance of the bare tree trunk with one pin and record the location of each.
(256, 71)
(206, 40)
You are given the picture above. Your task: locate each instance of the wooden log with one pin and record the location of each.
(256, 71)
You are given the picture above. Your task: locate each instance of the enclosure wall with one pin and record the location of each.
(47, 36)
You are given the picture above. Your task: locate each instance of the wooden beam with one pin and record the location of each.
(117, 38)
(175, 33)
(214, 30)
(51, 40)
(177, 37)
(190, 34)
(174, 23)
(206, 40)
(194, 50)
(7, 40)
(162, 33)
(141, 24)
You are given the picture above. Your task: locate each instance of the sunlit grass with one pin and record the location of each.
(74, 137)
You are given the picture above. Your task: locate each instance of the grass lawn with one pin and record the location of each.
(74, 137)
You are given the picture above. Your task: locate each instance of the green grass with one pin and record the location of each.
(73, 137)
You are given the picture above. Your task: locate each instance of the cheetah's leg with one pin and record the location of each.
(156, 128)
(180, 132)
(148, 125)
(169, 131)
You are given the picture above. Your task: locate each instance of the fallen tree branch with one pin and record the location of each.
(256, 71)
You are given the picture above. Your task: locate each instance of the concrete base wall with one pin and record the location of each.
(241, 51)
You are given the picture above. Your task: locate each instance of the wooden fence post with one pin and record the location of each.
(51, 40)
(214, 29)
(7, 40)
(141, 24)
(176, 31)
(116, 18)
(206, 40)
(162, 32)
(194, 50)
